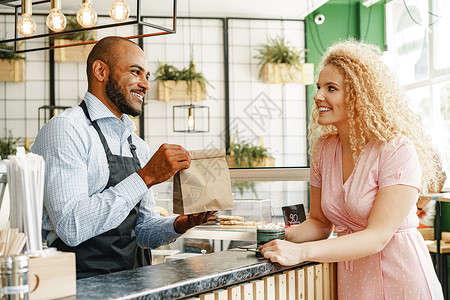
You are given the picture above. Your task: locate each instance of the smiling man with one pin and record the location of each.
(98, 200)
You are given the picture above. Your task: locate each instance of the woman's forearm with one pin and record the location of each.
(349, 247)
(310, 230)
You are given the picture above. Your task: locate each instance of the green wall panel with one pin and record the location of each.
(343, 19)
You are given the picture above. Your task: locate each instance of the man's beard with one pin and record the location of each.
(117, 96)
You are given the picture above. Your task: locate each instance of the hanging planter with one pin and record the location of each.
(180, 90)
(281, 63)
(185, 84)
(281, 73)
(12, 70)
(71, 54)
(75, 53)
(12, 65)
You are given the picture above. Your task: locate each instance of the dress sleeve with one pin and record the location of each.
(399, 164)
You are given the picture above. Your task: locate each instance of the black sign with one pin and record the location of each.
(293, 214)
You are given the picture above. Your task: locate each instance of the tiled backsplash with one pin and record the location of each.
(272, 114)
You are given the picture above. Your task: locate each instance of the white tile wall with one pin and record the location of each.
(213, 72)
(241, 72)
(32, 107)
(15, 91)
(36, 70)
(156, 53)
(19, 102)
(38, 90)
(67, 71)
(15, 109)
(32, 127)
(241, 54)
(18, 127)
(67, 90)
(240, 37)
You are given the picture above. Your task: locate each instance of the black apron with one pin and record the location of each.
(116, 249)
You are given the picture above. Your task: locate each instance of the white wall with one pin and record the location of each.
(283, 130)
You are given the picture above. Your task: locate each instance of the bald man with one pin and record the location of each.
(98, 200)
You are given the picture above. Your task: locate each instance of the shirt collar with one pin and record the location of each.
(97, 110)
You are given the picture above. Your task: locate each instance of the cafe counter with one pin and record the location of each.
(234, 271)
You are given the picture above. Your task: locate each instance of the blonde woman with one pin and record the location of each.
(369, 161)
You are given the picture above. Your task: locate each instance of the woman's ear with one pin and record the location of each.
(100, 70)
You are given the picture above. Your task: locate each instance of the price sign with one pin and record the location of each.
(293, 214)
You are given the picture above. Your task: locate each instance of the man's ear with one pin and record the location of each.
(100, 70)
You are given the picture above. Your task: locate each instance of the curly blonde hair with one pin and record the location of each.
(376, 107)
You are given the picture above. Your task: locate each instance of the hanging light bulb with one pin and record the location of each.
(119, 11)
(56, 20)
(86, 16)
(26, 25)
(190, 120)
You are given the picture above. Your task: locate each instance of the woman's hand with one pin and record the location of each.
(283, 252)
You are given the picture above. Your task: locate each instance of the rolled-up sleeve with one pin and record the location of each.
(152, 229)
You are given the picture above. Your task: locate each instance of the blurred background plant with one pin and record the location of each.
(166, 72)
(8, 145)
(9, 55)
(246, 155)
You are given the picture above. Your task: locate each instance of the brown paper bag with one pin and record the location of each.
(205, 186)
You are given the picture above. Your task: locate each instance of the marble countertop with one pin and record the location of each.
(180, 278)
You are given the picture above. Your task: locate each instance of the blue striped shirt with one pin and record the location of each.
(76, 208)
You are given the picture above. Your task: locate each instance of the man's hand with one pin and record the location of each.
(168, 160)
(184, 222)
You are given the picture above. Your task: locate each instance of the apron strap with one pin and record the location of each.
(102, 137)
(132, 147)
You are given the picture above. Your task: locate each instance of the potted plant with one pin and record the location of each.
(184, 84)
(8, 145)
(281, 63)
(245, 155)
(75, 53)
(12, 65)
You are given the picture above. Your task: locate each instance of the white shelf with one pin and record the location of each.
(222, 234)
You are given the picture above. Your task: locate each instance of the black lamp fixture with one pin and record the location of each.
(119, 11)
(190, 118)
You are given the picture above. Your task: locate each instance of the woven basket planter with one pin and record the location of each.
(286, 73)
(71, 54)
(170, 90)
(12, 70)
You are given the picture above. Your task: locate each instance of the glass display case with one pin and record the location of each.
(253, 210)
(270, 190)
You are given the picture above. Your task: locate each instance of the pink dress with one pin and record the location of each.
(403, 269)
